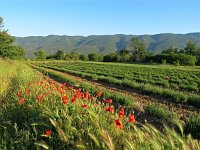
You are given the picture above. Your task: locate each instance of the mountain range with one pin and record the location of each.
(103, 43)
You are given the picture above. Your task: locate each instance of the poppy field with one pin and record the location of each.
(44, 110)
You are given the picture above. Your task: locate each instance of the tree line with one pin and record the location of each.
(189, 55)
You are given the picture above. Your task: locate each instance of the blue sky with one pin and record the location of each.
(98, 17)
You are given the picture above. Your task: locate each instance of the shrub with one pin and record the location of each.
(176, 63)
(172, 58)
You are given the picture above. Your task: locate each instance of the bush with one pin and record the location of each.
(111, 58)
(181, 58)
(176, 63)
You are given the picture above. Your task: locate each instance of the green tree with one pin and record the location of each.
(93, 57)
(138, 49)
(60, 54)
(191, 48)
(1, 23)
(84, 57)
(124, 55)
(7, 50)
(112, 57)
(171, 49)
(40, 54)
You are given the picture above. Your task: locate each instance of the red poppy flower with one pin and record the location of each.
(18, 94)
(86, 95)
(21, 100)
(131, 118)
(99, 93)
(39, 98)
(118, 124)
(48, 133)
(65, 99)
(84, 106)
(122, 109)
(110, 109)
(121, 114)
(27, 91)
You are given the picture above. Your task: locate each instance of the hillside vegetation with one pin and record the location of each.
(103, 43)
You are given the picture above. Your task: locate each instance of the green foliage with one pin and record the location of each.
(191, 48)
(193, 126)
(60, 54)
(40, 54)
(7, 50)
(95, 57)
(164, 61)
(1, 23)
(72, 56)
(174, 58)
(112, 57)
(176, 63)
(84, 57)
(194, 100)
(138, 49)
(158, 111)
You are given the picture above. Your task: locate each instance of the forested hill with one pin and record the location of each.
(103, 43)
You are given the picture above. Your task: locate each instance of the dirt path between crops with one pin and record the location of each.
(183, 111)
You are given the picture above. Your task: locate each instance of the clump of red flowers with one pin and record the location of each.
(110, 109)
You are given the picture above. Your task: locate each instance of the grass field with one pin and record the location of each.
(38, 112)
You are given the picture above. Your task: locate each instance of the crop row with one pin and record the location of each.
(170, 94)
(177, 79)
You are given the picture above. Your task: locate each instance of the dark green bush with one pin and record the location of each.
(181, 58)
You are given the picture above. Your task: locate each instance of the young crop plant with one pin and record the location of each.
(160, 112)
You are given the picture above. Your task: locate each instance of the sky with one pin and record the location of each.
(99, 17)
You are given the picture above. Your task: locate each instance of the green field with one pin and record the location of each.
(176, 84)
(39, 113)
